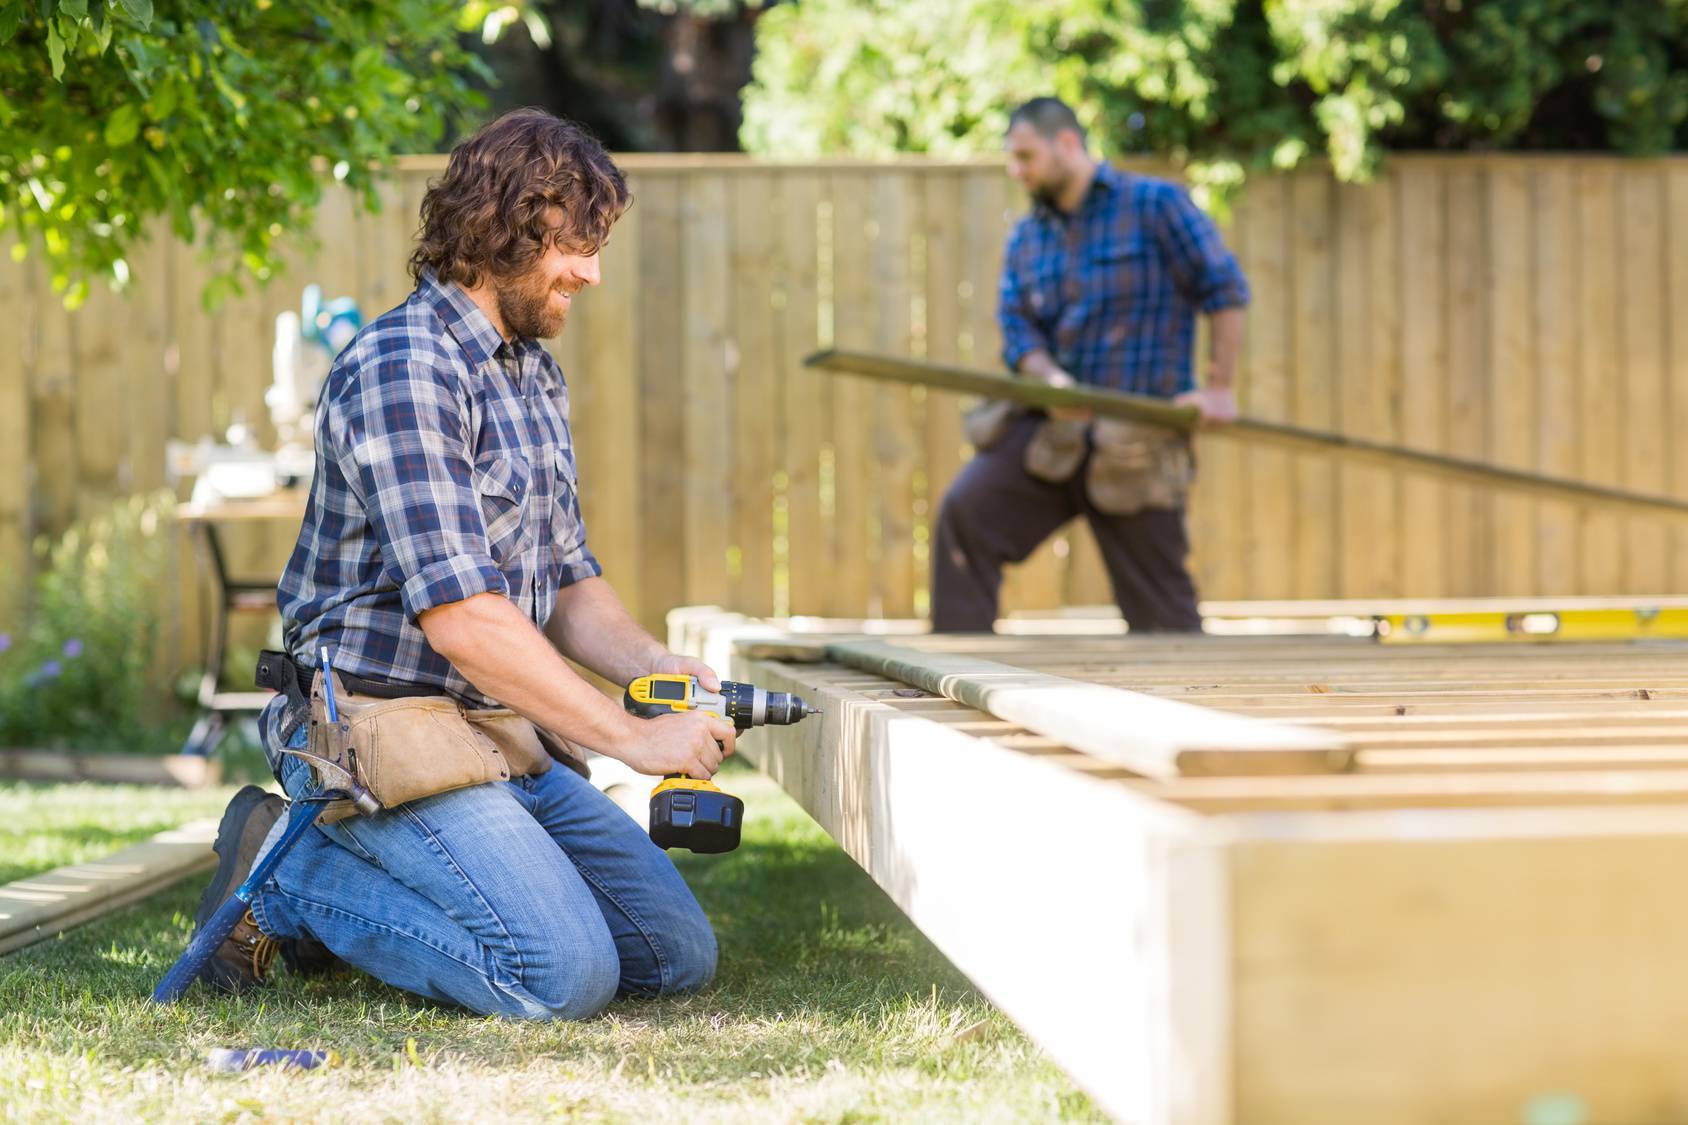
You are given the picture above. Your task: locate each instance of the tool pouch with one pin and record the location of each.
(1056, 450)
(1135, 466)
(985, 424)
(405, 749)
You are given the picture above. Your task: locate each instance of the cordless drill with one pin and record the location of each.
(686, 812)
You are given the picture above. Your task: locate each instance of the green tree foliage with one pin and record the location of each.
(1227, 86)
(218, 115)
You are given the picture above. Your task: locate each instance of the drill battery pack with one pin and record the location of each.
(687, 813)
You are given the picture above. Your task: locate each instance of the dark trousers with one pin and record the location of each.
(998, 513)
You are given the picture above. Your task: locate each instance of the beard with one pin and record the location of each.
(523, 305)
(1050, 189)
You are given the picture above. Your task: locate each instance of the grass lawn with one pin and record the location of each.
(829, 1006)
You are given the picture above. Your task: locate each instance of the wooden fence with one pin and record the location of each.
(1518, 309)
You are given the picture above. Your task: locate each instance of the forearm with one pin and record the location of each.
(497, 648)
(1225, 331)
(590, 626)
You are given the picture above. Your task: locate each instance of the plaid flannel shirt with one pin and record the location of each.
(444, 469)
(1112, 291)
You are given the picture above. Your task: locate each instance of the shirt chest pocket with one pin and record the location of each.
(503, 486)
(1121, 267)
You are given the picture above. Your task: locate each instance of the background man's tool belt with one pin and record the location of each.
(985, 424)
(1135, 466)
(413, 745)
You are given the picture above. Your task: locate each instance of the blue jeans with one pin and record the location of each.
(537, 898)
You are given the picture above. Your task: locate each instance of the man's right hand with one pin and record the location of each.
(1059, 378)
(688, 742)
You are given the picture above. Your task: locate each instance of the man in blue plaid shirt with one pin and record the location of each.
(1101, 285)
(444, 564)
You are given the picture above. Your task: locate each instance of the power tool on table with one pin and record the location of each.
(686, 812)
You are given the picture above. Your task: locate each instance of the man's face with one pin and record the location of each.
(1038, 162)
(536, 303)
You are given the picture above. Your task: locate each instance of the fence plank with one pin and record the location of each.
(1470, 523)
(1368, 514)
(1558, 442)
(1598, 372)
(665, 546)
(895, 435)
(16, 466)
(1512, 372)
(1268, 390)
(807, 394)
(1676, 297)
(1424, 503)
(856, 552)
(757, 406)
(53, 409)
(1318, 564)
(945, 232)
(605, 373)
(707, 365)
(1643, 389)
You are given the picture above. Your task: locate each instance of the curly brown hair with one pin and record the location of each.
(487, 214)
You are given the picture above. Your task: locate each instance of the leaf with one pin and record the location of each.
(123, 126)
(55, 49)
(75, 9)
(11, 17)
(139, 10)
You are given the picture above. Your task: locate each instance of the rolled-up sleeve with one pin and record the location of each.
(403, 447)
(1020, 334)
(1207, 273)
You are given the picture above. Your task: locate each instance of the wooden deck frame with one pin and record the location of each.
(1453, 950)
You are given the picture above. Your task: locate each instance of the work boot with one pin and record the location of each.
(244, 958)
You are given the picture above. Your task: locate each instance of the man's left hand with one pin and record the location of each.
(677, 665)
(1218, 405)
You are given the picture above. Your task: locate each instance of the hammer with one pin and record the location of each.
(343, 786)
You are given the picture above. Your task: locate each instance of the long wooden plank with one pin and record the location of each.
(46, 905)
(1297, 438)
(1151, 736)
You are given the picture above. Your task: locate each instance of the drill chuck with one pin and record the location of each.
(750, 706)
